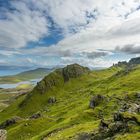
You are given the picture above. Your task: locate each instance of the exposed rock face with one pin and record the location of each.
(96, 100)
(3, 134)
(53, 79)
(60, 76)
(134, 61)
(120, 64)
(73, 71)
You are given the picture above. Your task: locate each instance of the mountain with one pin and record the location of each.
(75, 103)
(25, 76)
(132, 62)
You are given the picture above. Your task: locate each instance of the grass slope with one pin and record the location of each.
(71, 114)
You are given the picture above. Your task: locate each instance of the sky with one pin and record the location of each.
(50, 33)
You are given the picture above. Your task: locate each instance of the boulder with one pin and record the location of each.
(135, 108)
(52, 100)
(138, 110)
(118, 126)
(3, 134)
(7, 123)
(124, 107)
(96, 100)
(35, 116)
(103, 125)
(118, 117)
(83, 136)
(138, 95)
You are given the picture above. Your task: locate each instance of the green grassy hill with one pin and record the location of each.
(75, 103)
(25, 76)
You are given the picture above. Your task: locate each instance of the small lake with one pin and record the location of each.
(31, 82)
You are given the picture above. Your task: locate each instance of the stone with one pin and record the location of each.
(125, 107)
(103, 125)
(3, 134)
(51, 100)
(118, 127)
(134, 109)
(7, 123)
(35, 116)
(138, 110)
(118, 117)
(84, 136)
(138, 95)
(95, 100)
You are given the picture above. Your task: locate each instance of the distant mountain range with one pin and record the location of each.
(3, 67)
(25, 76)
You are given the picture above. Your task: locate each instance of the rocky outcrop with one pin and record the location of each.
(52, 100)
(35, 116)
(134, 61)
(53, 79)
(3, 134)
(118, 117)
(138, 95)
(60, 76)
(10, 122)
(110, 128)
(103, 125)
(96, 100)
(73, 71)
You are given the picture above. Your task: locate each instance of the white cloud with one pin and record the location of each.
(9, 53)
(100, 26)
(99, 62)
(21, 26)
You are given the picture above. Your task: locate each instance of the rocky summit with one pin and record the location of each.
(60, 76)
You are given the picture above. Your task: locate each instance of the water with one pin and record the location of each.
(8, 86)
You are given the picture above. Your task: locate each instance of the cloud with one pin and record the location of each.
(69, 15)
(91, 30)
(9, 53)
(91, 63)
(94, 55)
(21, 26)
(130, 49)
